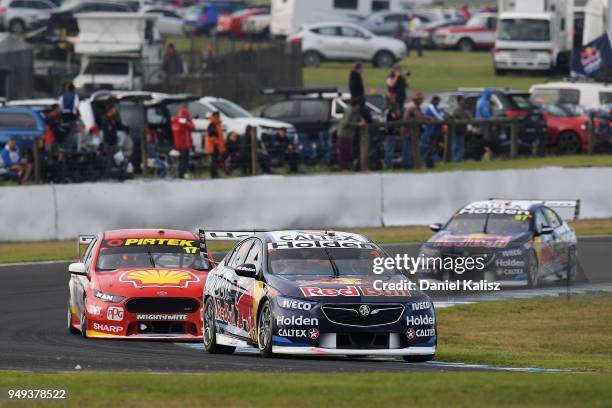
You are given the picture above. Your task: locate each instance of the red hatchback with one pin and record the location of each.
(138, 284)
(567, 129)
(232, 23)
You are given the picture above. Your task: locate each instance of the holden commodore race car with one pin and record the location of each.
(138, 284)
(312, 292)
(516, 242)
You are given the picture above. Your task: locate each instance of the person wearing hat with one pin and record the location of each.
(397, 84)
(182, 127)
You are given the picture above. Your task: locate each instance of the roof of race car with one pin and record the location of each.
(148, 233)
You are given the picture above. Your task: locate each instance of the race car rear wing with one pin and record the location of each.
(204, 235)
(568, 210)
(83, 240)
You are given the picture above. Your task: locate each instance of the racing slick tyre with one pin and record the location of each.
(418, 359)
(71, 328)
(209, 331)
(265, 328)
(532, 269)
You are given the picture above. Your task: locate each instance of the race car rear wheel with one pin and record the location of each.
(418, 359)
(532, 269)
(209, 331)
(71, 328)
(264, 330)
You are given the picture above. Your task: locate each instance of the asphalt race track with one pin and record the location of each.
(34, 335)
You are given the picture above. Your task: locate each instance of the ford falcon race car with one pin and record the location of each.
(138, 284)
(515, 242)
(312, 292)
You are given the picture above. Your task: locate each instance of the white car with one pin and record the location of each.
(346, 42)
(19, 16)
(170, 23)
(583, 95)
(258, 24)
(233, 117)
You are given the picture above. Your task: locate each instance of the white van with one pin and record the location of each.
(588, 95)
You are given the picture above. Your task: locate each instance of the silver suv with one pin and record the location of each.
(19, 16)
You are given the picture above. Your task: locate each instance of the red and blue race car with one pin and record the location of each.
(138, 284)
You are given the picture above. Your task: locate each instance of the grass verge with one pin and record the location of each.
(544, 333)
(437, 70)
(62, 250)
(250, 389)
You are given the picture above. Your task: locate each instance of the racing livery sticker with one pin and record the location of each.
(174, 278)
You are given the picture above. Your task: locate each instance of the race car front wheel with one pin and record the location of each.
(209, 331)
(264, 330)
(83, 320)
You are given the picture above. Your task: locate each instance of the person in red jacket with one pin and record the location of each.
(182, 126)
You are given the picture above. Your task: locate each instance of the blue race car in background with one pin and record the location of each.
(312, 293)
(521, 242)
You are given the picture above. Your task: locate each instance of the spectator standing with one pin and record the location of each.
(400, 30)
(460, 112)
(232, 152)
(15, 165)
(111, 125)
(483, 111)
(172, 64)
(356, 86)
(280, 146)
(215, 143)
(465, 12)
(350, 123)
(433, 132)
(393, 113)
(69, 103)
(417, 32)
(397, 84)
(412, 111)
(182, 127)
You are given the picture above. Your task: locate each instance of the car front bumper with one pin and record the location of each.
(408, 351)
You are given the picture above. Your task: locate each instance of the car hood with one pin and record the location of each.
(149, 282)
(446, 239)
(342, 289)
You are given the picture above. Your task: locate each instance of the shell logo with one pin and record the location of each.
(143, 278)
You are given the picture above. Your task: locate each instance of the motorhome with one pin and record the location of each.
(534, 35)
(289, 15)
(118, 51)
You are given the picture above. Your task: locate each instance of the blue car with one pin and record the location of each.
(21, 124)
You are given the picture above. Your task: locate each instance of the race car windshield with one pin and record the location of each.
(323, 261)
(502, 224)
(157, 256)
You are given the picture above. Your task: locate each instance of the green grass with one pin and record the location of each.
(545, 333)
(64, 250)
(437, 70)
(250, 389)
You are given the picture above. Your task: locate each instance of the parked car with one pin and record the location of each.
(170, 23)
(432, 27)
(24, 125)
(478, 33)
(385, 22)
(203, 18)
(567, 129)
(582, 95)
(257, 25)
(19, 16)
(232, 23)
(346, 42)
(63, 21)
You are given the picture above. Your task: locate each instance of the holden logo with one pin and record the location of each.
(364, 310)
(411, 333)
(313, 334)
(162, 293)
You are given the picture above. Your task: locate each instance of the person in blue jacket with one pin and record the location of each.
(433, 132)
(14, 163)
(483, 111)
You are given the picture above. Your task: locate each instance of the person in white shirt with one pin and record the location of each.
(417, 32)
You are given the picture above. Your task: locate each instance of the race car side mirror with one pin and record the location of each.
(435, 227)
(77, 268)
(546, 230)
(246, 271)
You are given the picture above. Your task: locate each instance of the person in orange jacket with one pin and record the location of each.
(182, 126)
(215, 143)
